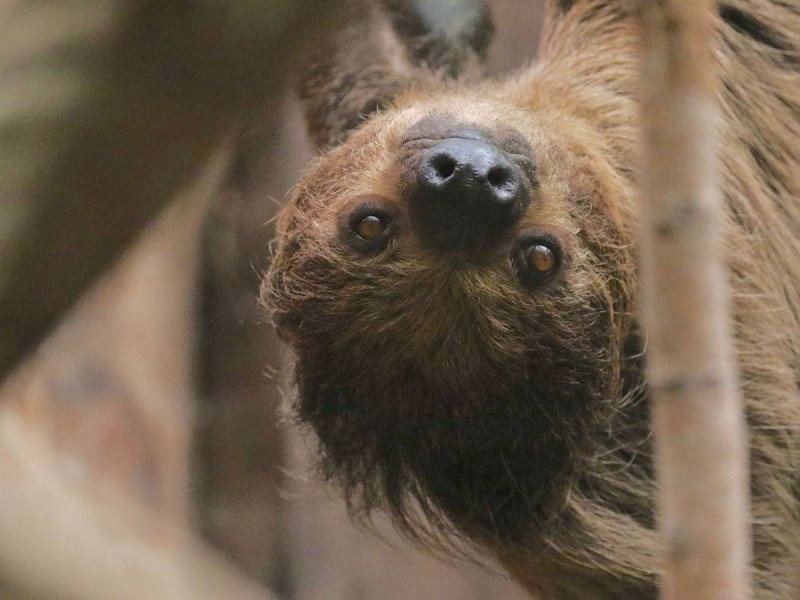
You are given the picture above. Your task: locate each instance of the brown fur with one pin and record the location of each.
(467, 406)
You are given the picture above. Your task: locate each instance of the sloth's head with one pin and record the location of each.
(455, 282)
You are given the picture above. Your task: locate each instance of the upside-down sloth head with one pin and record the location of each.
(456, 283)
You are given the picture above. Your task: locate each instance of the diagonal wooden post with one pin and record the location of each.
(107, 108)
(701, 450)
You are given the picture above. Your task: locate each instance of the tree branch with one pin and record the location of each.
(107, 107)
(63, 541)
(701, 450)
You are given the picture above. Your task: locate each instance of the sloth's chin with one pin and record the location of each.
(486, 467)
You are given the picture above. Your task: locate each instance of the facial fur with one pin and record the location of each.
(471, 397)
(440, 380)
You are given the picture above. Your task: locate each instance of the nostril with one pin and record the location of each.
(444, 166)
(499, 176)
(467, 190)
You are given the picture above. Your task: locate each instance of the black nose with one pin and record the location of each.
(467, 191)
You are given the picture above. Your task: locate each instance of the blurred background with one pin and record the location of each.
(163, 385)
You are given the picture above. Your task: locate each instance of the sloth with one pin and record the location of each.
(457, 276)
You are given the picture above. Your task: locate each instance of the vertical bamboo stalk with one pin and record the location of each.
(701, 449)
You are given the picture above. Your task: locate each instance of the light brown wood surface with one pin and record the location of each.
(701, 447)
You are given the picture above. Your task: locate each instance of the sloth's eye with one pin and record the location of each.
(370, 227)
(538, 257)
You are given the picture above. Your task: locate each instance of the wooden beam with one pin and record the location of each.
(107, 107)
(701, 449)
(62, 541)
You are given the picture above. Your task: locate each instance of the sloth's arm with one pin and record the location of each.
(385, 47)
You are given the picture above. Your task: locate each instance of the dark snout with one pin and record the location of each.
(468, 191)
(469, 175)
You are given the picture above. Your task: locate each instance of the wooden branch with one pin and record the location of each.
(701, 450)
(93, 455)
(63, 541)
(106, 108)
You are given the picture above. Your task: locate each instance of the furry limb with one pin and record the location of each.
(384, 48)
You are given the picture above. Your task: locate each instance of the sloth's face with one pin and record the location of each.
(456, 293)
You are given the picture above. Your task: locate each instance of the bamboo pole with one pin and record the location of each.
(701, 450)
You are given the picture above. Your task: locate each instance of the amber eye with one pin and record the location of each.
(540, 258)
(370, 227)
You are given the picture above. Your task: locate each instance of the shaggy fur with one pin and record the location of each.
(468, 405)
